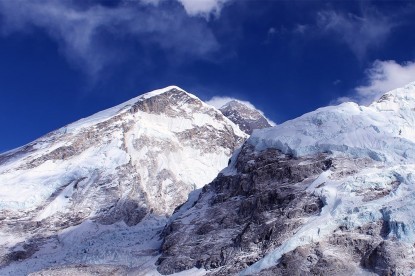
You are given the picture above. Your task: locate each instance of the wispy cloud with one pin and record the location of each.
(381, 77)
(384, 76)
(360, 33)
(82, 32)
(220, 101)
(203, 7)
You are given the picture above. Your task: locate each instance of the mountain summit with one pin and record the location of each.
(122, 168)
(329, 193)
(246, 117)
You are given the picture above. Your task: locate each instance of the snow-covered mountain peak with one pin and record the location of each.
(382, 131)
(159, 121)
(171, 95)
(120, 166)
(235, 103)
(161, 91)
(397, 99)
(329, 193)
(245, 116)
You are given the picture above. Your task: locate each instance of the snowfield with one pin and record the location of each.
(383, 132)
(103, 171)
(99, 191)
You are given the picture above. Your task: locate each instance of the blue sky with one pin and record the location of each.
(64, 60)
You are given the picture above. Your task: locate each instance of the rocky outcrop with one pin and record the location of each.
(361, 251)
(238, 218)
(135, 161)
(267, 202)
(246, 117)
(329, 193)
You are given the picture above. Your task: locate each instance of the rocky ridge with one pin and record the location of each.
(246, 117)
(328, 193)
(124, 170)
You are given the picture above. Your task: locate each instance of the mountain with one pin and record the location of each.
(98, 191)
(329, 193)
(246, 117)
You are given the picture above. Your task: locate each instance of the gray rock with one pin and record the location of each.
(143, 186)
(245, 117)
(239, 218)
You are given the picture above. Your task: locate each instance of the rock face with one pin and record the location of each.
(329, 193)
(247, 118)
(136, 161)
(264, 213)
(239, 217)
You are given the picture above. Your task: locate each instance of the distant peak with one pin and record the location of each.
(245, 115)
(236, 103)
(162, 91)
(397, 99)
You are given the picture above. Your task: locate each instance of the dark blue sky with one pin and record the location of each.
(61, 61)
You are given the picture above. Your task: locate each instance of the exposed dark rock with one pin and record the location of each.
(245, 117)
(8, 156)
(342, 254)
(382, 259)
(85, 270)
(239, 218)
(25, 251)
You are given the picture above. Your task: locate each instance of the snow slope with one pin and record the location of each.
(329, 193)
(383, 131)
(384, 190)
(23, 186)
(137, 160)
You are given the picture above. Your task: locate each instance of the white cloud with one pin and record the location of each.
(203, 7)
(384, 76)
(359, 33)
(88, 35)
(220, 101)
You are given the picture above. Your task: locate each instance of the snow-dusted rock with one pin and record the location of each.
(329, 193)
(246, 117)
(138, 160)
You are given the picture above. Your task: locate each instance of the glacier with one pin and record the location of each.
(329, 193)
(334, 185)
(383, 132)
